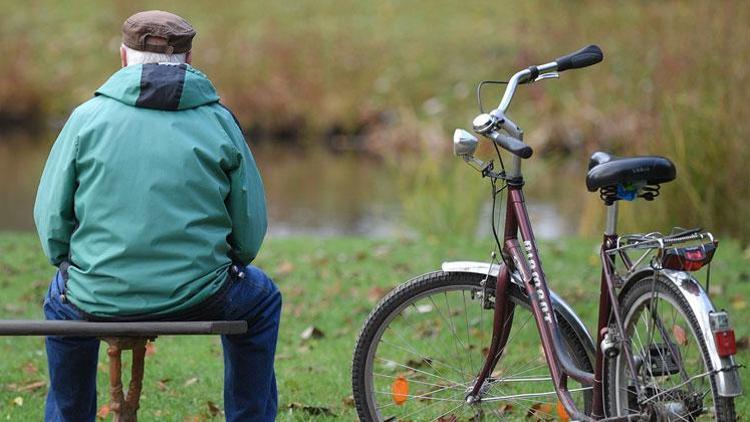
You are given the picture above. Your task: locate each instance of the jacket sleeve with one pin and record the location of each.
(53, 210)
(246, 202)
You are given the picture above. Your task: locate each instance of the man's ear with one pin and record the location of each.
(123, 56)
(189, 57)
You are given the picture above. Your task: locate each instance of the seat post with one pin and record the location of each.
(611, 228)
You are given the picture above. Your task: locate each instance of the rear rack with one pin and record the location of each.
(655, 245)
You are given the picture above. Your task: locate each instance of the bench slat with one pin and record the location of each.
(31, 327)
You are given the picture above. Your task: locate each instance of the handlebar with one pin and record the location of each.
(511, 144)
(584, 57)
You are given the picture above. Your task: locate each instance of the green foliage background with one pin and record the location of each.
(673, 81)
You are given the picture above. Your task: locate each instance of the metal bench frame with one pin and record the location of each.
(121, 336)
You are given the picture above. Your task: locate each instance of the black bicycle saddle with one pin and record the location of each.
(609, 170)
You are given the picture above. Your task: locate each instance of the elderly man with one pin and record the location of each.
(152, 207)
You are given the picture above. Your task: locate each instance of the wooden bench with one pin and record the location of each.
(121, 336)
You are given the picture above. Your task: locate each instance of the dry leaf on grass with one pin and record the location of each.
(162, 384)
(376, 293)
(348, 401)
(743, 343)
(103, 412)
(738, 302)
(33, 386)
(30, 368)
(541, 412)
(504, 409)
(312, 332)
(284, 269)
(679, 335)
(419, 363)
(213, 409)
(311, 410)
(190, 382)
(150, 349)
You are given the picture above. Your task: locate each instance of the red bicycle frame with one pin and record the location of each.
(526, 261)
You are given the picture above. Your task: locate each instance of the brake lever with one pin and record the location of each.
(548, 75)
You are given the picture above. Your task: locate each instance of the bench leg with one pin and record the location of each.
(125, 407)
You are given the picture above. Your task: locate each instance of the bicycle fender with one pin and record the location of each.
(562, 307)
(727, 377)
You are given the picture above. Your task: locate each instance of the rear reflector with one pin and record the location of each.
(723, 333)
(725, 344)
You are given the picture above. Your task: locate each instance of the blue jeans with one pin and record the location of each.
(249, 379)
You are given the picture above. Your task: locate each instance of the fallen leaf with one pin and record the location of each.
(311, 410)
(447, 418)
(150, 349)
(738, 302)
(743, 343)
(504, 409)
(162, 384)
(716, 289)
(213, 409)
(679, 335)
(541, 412)
(30, 368)
(419, 363)
(312, 332)
(424, 309)
(284, 269)
(381, 251)
(33, 386)
(190, 382)
(103, 412)
(348, 401)
(18, 401)
(376, 293)
(13, 308)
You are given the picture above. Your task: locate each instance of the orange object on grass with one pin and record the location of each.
(400, 390)
(561, 412)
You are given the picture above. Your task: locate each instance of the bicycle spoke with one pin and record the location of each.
(472, 368)
(425, 358)
(416, 370)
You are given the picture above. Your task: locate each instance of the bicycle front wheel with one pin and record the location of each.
(422, 347)
(672, 365)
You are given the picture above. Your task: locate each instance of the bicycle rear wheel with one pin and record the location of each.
(421, 348)
(660, 326)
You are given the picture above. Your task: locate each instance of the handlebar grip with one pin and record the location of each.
(511, 144)
(586, 56)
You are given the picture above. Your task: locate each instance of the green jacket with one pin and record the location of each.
(150, 192)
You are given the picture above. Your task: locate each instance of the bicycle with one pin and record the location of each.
(662, 351)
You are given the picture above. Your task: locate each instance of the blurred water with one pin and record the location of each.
(309, 192)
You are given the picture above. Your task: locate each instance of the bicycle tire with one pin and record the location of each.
(636, 296)
(410, 292)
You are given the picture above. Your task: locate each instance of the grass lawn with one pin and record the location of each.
(330, 284)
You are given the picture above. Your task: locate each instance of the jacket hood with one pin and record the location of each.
(161, 86)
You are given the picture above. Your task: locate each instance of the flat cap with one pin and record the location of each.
(138, 28)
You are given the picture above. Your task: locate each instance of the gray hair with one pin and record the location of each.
(141, 57)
